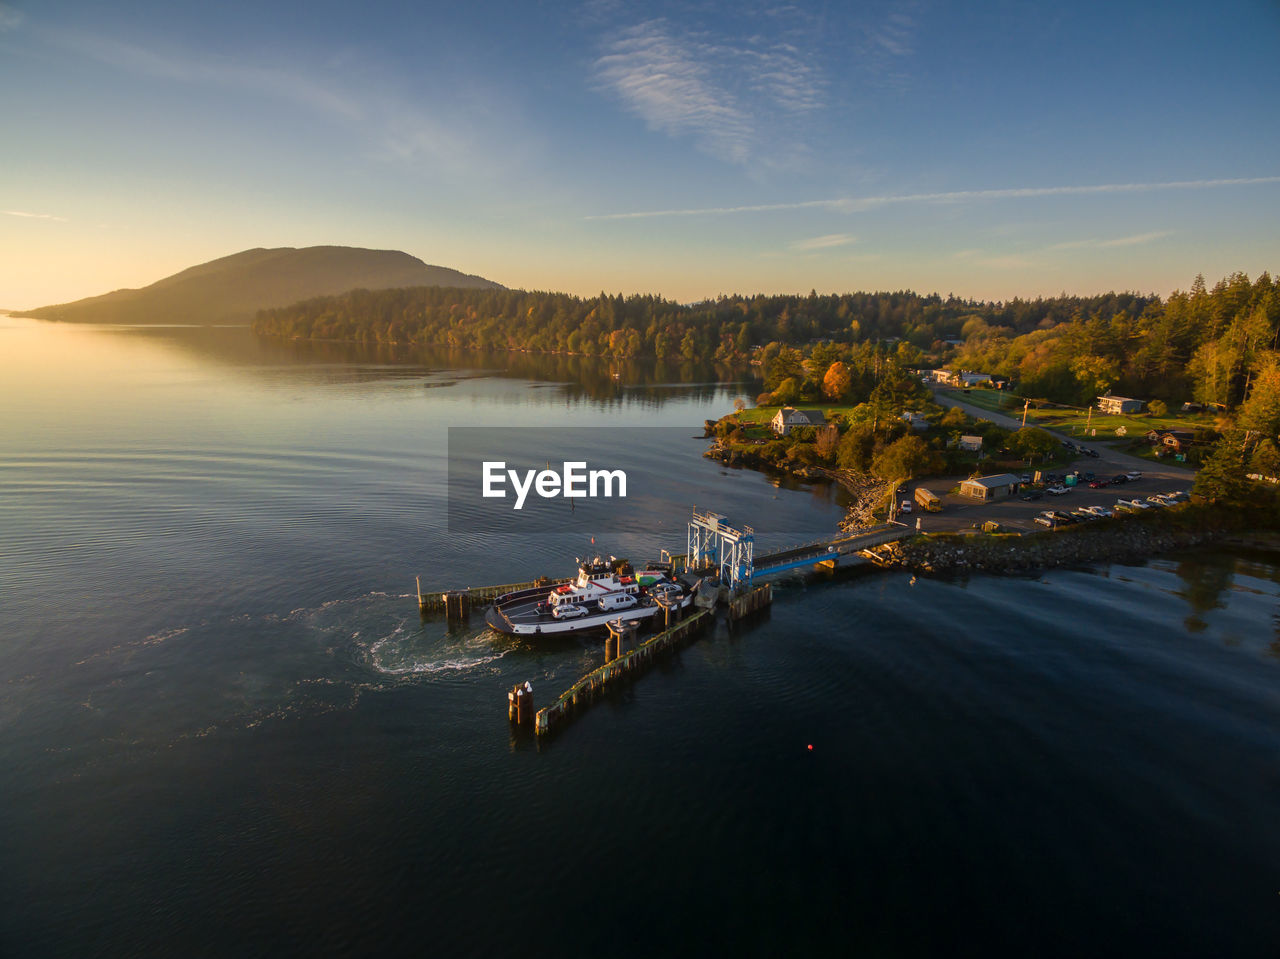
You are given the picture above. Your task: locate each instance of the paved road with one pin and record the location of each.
(961, 513)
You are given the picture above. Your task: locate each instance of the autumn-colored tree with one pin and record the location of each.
(835, 384)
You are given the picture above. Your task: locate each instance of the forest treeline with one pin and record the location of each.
(649, 326)
(1202, 344)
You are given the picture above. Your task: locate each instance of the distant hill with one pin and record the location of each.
(232, 289)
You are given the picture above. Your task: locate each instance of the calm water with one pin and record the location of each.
(226, 732)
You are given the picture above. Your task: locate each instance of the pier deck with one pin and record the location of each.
(829, 550)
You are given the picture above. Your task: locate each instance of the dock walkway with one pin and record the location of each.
(829, 550)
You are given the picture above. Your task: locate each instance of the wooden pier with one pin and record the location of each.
(443, 601)
(626, 665)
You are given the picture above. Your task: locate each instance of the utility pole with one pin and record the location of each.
(1025, 405)
(1088, 419)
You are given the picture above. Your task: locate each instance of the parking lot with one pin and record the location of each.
(961, 512)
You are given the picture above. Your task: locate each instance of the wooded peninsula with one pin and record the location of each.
(1202, 344)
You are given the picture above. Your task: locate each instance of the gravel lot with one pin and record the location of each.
(960, 512)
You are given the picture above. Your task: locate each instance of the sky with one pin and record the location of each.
(689, 149)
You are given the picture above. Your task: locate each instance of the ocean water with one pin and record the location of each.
(226, 731)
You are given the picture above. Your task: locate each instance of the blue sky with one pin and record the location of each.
(689, 149)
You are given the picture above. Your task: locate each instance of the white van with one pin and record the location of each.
(612, 601)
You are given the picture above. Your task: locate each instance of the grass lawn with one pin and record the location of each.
(1077, 422)
(761, 415)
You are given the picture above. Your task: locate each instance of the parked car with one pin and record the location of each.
(1100, 511)
(905, 507)
(1032, 495)
(1025, 478)
(1178, 497)
(1057, 491)
(1046, 521)
(1133, 475)
(1099, 483)
(1131, 505)
(568, 611)
(1089, 452)
(1083, 514)
(1087, 476)
(1118, 479)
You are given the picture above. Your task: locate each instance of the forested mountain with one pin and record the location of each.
(233, 288)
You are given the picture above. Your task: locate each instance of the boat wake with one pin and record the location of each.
(407, 651)
(262, 667)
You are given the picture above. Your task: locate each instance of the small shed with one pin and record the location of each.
(999, 486)
(970, 444)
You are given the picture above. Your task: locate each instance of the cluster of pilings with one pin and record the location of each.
(750, 601)
(622, 633)
(626, 665)
(520, 704)
(457, 605)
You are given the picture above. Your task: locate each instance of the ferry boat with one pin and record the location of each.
(602, 591)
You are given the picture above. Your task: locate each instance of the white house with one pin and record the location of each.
(788, 418)
(916, 421)
(970, 444)
(1119, 404)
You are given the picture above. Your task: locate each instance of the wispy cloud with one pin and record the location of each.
(895, 34)
(10, 19)
(823, 242)
(388, 122)
(859, 204)
(1135, 240)
(181, 66)
(34, 216)
(667, 83)
(723, 95)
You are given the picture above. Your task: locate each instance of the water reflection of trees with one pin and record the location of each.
(1206, 577)
(611, 382)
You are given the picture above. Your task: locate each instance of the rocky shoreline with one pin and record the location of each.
(1129, 539)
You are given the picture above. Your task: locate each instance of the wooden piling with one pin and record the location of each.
(520, 704)
(457, 605)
